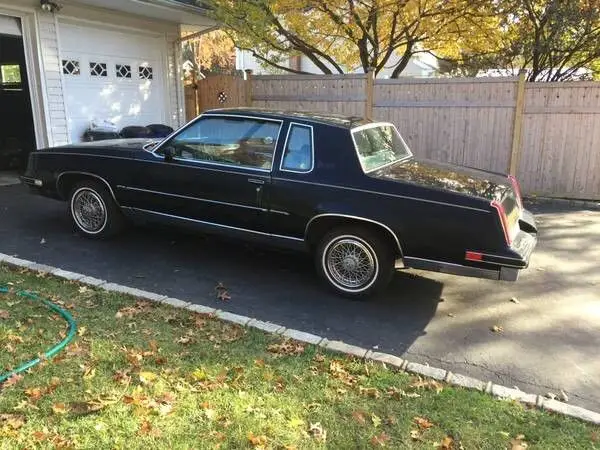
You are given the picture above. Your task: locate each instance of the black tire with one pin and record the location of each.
(103, 217)
(369, 247)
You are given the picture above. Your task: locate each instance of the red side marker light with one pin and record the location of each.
(473, 256)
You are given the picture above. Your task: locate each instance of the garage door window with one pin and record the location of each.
(123, 71)
(145, 72)
(98, 69)
(70, 67)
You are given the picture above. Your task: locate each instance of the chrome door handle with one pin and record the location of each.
(256, 181)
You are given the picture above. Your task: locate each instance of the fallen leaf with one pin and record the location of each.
(518, 443)
(14, 421)
(317, 432)
(422, 423)
(147, 377)
(83, 289)
(497, 329)
(415, 435)
(563, 397)
(34, 394)
(81, 331)
(222, 292)
(147, 429)
(515, 300)
(359, 416)
(380, 440)
(427, 385)
(287, 347)
(40, 436)
(59, 408)
(42, 241)
(84, 408)
(259, 442)
(12, 380)
(447, 443)
(376, 420)
(4, 314)
(184, 340)
(451, 315)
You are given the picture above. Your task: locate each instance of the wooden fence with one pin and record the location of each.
(548, 134)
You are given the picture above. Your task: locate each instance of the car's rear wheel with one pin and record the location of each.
(355, 262)
(93, 210)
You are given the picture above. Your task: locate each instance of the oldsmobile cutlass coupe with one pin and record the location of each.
(347, 190)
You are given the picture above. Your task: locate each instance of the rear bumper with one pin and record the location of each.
(494, 267)
(502, 273)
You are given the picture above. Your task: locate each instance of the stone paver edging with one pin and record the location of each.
(336, 346)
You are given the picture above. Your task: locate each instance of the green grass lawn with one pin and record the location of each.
(142, 375)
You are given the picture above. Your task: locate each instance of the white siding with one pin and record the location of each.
(50, 67)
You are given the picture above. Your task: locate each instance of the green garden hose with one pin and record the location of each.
(53, 350)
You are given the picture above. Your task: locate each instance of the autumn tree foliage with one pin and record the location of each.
(211, 52)
(338, 36)
(552, 40)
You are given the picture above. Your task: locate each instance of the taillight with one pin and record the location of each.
(503, 220)
(517, 189)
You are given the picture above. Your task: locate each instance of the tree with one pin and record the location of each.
(211, 52)
(552, 40)
(343, 35)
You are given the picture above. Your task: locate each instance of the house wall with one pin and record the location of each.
(42, 39)
(422, 66)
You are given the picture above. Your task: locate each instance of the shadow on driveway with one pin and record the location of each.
(269, 285)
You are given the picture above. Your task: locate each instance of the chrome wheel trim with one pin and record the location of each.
(350, 263)
(89, 211)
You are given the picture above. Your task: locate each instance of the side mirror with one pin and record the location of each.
(168, 154)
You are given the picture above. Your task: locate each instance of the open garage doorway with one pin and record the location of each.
(17, 133)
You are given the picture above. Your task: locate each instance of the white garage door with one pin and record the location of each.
(111, 75)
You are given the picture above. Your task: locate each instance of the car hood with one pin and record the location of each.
(116, 144)
(448, 177)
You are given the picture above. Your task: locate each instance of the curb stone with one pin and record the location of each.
(338, 346)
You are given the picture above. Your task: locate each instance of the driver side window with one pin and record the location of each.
(230, 140)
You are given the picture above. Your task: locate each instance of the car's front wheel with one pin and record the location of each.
(355, 262)
(93, 210)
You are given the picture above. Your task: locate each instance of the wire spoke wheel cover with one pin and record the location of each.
(350, 263)
(89, 210)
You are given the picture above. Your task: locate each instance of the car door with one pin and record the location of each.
(215, 170)
(292, 195)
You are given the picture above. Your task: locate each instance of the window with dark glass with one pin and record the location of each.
(98, 69)
(70, 67)
(235, 141)
(298, 153)
(123, 71)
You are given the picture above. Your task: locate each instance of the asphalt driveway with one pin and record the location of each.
(551, 334)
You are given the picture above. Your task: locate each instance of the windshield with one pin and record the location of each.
(378, 145)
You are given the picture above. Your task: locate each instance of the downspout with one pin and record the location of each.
(178, 64)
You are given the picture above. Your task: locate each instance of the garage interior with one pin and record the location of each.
(17, 135)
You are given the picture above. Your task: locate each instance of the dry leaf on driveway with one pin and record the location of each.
(497, 329)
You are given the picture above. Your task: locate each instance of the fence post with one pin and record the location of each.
(248, 86)
(369, 88)
(515, 152)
